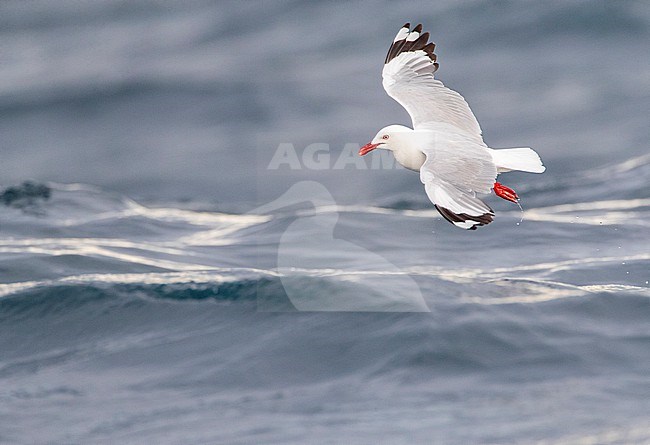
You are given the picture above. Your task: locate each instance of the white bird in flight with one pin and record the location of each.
(446, 144)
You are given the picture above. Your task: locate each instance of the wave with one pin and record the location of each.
(225, 283)
(107, 239)
(95, 321)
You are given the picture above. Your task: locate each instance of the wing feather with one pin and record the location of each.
(408, 77)
(452, 181)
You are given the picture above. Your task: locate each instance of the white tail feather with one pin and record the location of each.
(524, 159)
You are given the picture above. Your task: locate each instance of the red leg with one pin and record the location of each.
(505, 192)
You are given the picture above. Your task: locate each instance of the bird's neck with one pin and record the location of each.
(407, 153)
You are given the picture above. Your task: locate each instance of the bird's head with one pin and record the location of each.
(386, 138)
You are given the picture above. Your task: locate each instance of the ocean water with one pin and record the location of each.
(161, 282)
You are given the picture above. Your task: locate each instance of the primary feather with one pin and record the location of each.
(408, 77)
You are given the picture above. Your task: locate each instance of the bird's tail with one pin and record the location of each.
(524, 159)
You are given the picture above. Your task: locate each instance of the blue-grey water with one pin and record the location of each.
(159, 283)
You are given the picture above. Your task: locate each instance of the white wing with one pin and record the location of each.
(454, 171)
(408, 78)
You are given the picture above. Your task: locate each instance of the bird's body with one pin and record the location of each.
(445, 144)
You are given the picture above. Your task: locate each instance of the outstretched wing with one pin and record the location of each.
(408, 78)
(452, 175)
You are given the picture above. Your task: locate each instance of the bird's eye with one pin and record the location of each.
(385, 137)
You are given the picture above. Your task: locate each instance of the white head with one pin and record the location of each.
(387, 138)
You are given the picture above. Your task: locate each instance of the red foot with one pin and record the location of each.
(505, 192)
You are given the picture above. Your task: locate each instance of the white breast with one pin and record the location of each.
(410, 158)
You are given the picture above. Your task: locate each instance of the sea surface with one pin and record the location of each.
(191, 252)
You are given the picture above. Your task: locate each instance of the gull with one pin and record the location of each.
(445, 144)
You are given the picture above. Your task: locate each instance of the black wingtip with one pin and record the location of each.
(463, 218)
(421, 43)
